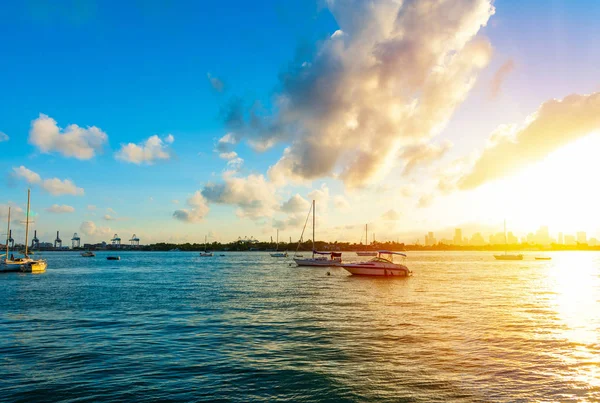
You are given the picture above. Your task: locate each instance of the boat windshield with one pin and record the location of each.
(380, 260)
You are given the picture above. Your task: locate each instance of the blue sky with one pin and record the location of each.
(139, 69)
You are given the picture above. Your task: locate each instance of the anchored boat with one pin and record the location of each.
(382, 265)
(319, 259)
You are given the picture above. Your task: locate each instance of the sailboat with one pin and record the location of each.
(366, 252)
(319, 258)
(506, 255)
(277, 253)
(24, 264)
(206, 253)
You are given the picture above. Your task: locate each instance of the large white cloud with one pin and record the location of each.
(390, 78)
(74, 141)
(89, 228)
(555, 124)
(253, 195)
(197, 211)
(148, 152)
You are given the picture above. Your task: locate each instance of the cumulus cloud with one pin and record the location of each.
(555, 124)
(108, 217)
(91, 207)
(340, 203)
(235, 164)
(216, 83)
(54, 186)
(391, 78)
(320, 196)
(391, 215)
(197, 211)
(295, 204)
(27, 175)
(58, 187)
(425, 201)
(74, 141)
(499, 78)
(226, 143)
(148, 152)
(4, 137)
(89, 228)
(422, 154)
(253, 195)
(16, 212)
(60, 209)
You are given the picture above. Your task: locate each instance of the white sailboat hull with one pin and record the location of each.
(279, 254)
(317, 262)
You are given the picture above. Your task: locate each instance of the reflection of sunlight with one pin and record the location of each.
(575, 280)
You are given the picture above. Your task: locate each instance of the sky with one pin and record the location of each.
(177, 120)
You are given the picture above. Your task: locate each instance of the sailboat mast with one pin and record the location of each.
(277, 246)
(366, 235)
(505, 240)
(27, 222)
(313, 236)
(7, 233)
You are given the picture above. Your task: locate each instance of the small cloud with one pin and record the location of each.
(3, 137)
(175, 201)
(27, 175)
(148, 152)
(57, 187)
(235, 164)
(226, 143)
(91, 207)
(340, 203)
(111, 211)
(425, 201)
(216, 83)
(108, 217)
(391, 215)
(422, 154)
(228, 156)
(500, 77)
(60, 209)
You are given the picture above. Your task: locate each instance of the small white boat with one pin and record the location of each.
(327, 259)
(382, 265)
(321, 259)
(277, 253)
(88, 254)
(206, 253)
(366, 252)
(543, 258)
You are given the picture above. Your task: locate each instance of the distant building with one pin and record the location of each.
(430, 239)
(458, 238)
(497, 238)
(477, 240)
(581, 237)
(593, 242)
(560, 238)
(570, 240)
(542, 236)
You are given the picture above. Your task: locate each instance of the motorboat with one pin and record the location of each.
(88, 254)
(318, 259)
(24, 264)
(543, 258)
(113, 258)
(382, 265)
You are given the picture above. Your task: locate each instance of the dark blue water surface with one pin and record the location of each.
(248, 327)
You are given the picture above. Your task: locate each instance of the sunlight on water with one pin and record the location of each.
(172, 326)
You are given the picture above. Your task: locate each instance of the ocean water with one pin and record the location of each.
(248, 327)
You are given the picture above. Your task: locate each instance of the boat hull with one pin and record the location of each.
(24, 266)
(317, 262)
(279, 254)
(35, 266)
(378, 271)
(206, 254)
(508, 257)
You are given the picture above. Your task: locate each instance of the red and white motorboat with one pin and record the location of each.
(382, 265)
